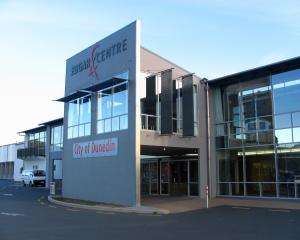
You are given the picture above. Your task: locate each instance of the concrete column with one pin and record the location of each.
(47, 156)
(1, 170)
(212, 153)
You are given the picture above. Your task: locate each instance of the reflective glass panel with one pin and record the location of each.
(288, 159)
(283, 121)
(286, 91)
(105, 104)
(296, 119)
(296, 134)
(73, 113)
(283, 136)
(113, 109)
(85, 110)
(264, 123)
(120, 100)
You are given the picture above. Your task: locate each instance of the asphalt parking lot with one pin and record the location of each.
(26, 214)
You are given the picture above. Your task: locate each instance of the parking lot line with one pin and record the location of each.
(243, 208)
(279, 210)
(108, 213)
(52, 206)
(7, 194)
(72, 210)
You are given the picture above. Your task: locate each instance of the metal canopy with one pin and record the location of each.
(72, 96)
(102, 85)
(91, 89)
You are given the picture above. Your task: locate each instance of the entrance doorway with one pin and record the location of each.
(57, 175)
(169, 177)
(149, 175)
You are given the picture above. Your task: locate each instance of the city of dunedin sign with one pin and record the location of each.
(98, 148)
(97, 56)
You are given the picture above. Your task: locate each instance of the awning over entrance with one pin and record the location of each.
(166, 151)
(169, 171)
(105, 84)
(91, 89)
(73, 96)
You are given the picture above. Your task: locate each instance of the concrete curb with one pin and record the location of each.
(142, 210)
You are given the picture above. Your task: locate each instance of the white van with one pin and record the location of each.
(33, 177)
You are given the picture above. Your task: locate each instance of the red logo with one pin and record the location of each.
(93, 67)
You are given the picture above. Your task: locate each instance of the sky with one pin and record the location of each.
(211, 38)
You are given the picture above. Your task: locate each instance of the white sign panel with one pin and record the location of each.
(98, 148)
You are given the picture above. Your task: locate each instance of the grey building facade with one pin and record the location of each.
(127, 132)
(136, 124)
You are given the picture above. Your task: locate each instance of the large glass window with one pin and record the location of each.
(288, 159)
(56, 143)
(286, 91)
(231, 177)
(113, 108)
(260, 128)
(79, 117)
(36, 143)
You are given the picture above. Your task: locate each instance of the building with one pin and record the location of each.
(255, 122)
(123, 113)
(10, 166)
(135, 124)
(43, 149)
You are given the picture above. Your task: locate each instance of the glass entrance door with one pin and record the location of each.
(164, 178)
(172, 177)
(149, 174)
(179, 178)
(153, 168)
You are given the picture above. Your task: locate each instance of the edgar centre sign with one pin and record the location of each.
(97, 56)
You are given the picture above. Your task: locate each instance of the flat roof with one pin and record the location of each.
(53, 122)
(276, 67)
(42, 126)
(33, 130)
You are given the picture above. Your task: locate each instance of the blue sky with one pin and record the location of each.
(211, 38)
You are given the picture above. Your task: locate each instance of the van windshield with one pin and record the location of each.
(39, 173)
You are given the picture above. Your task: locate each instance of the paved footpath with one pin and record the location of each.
(26, 214)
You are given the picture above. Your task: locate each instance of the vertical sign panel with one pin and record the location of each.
(188, 106)
(166, 102)
(150, 103)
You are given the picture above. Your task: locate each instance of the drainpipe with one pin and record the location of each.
(205, 82)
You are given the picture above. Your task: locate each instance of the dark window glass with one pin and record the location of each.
(264, 104)
(260, 164)
(249, 106)
(288, 159)
(265, 137)
(193, 171)
(265, 123)
(231, 100)
(230, 165)
(250, 139)
(235, 140)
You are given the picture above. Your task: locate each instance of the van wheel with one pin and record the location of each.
(24, 184)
